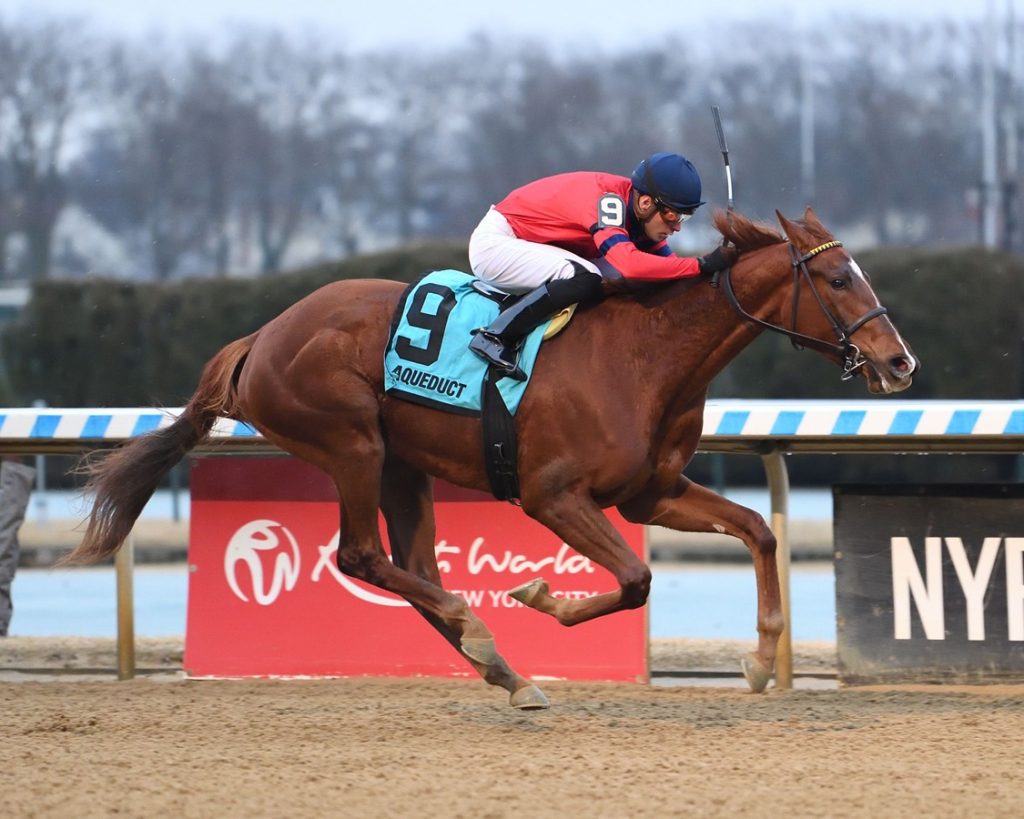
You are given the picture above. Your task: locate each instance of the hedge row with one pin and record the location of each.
(112, 343)
(106, 343)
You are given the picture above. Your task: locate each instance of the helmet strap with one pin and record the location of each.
(652, 189)
(636, 207)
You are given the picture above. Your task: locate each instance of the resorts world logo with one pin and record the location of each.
(263, 555)
(245, 549)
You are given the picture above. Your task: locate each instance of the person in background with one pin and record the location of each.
(556, 238)
(15, 488)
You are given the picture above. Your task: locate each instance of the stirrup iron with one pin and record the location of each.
(493, 350)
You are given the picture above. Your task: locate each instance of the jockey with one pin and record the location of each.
(555, 238)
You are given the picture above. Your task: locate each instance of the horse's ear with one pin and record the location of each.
(792, 229)
(812, 221)
(797, 231)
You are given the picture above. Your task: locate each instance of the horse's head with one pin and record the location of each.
(821, 298)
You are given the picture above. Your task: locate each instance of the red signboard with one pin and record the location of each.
(266, 597)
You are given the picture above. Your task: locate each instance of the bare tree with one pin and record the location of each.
(6, 215)
(48, 73)
(285, 84)
(539, 115)
(159, 180)
(529, 125)
(241, 156)
(350, 146)
(900, 125)
(215, 124)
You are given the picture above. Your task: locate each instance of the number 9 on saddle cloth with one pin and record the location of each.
(427, 361)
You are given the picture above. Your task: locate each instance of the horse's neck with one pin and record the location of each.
(696, 331)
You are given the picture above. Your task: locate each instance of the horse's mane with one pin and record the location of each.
(744, 233)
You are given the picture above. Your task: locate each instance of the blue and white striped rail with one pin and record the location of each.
(729, 425)
(774, 419)
(79, 428)
(871, 425)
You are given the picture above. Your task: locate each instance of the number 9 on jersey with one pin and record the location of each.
(611, 211)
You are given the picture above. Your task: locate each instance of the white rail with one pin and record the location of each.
(734, 424)
(768, 428)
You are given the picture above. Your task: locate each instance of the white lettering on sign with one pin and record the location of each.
(928, 595)
(475, 597)
(907, 582)
(974, 583)
(1015, 588)
(443, 548)
(477, 561)
(562, 562)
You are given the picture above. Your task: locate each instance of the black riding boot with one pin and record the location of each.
(497, 343)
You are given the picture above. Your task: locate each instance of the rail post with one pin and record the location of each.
(125, 567)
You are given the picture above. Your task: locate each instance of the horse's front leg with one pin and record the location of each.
(575, 518)
(689, 507)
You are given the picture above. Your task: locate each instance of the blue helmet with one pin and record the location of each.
(669, 178)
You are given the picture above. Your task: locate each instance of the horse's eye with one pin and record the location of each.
(838, 284)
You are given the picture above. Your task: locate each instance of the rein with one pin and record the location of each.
(853, 360)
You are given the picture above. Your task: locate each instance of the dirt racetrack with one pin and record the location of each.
(83, 746)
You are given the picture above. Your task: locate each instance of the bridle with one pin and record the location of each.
(851, 355)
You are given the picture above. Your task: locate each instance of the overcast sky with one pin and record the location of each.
(607, 24)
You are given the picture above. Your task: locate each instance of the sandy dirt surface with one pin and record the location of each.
(86, 745)
(165, 654)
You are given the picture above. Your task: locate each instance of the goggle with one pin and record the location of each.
(673, 215)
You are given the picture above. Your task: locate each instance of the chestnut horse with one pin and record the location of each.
(612, 416)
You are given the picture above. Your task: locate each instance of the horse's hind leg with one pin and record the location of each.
(689, 507)
(407, 503)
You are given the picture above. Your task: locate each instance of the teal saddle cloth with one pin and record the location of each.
(427, 360)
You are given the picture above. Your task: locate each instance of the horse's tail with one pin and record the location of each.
(123, 479)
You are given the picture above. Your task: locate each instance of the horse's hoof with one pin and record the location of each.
(529, 698)
(481, 649)
(529, 592)
(756, 672)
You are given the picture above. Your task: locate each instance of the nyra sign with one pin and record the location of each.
(925, 594)
(929, 582)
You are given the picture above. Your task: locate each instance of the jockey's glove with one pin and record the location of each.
(718, 259)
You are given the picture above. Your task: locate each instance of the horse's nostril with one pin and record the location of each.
(901, 365)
